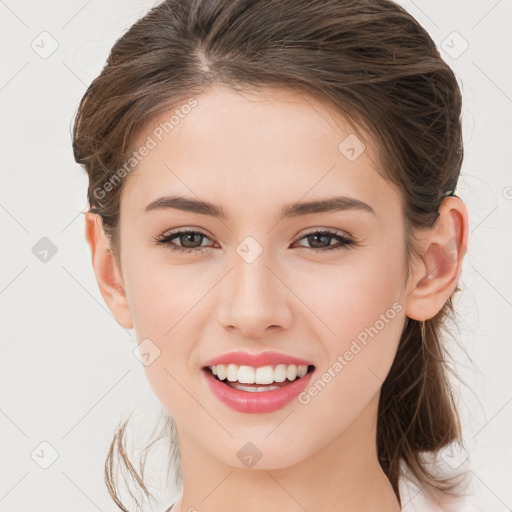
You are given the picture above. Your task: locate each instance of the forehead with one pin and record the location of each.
(253, 149)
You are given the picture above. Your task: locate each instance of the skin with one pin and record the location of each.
(252, 154)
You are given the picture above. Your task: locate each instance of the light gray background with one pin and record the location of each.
(68, 374)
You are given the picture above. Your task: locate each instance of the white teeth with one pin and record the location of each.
(246, 375)
(280, 373)
(232, 372)
(252, 390)
(264, 375)
(221, 371)
(291, 372)
(261, 375)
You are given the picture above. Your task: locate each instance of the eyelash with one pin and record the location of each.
(344, 241)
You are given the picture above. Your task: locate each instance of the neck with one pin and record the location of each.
(343, 475)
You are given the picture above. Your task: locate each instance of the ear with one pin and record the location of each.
(435, 277)
(107, 273)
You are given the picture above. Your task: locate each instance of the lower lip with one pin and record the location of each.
(256, 401)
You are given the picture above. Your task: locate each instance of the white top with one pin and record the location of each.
(413, 500)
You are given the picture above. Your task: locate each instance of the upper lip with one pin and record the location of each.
(256, 360)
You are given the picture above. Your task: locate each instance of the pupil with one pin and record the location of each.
(189, 238)
(316, 237)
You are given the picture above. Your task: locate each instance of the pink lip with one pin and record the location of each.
(255, 402)
(255, 360)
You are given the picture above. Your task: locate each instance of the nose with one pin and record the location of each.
(255, 299)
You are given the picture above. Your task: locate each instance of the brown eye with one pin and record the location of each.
(318, 239)
(189, 239)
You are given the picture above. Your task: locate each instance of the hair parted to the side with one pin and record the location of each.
(372, 63)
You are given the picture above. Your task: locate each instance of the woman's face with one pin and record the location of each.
(256, 281)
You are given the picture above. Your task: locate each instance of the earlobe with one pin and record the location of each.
(106, 270)
(436, 275)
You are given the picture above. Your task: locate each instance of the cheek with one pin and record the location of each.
(370, 297)
(167, 304)
(355, 295)
(162, 297)
(365, 313)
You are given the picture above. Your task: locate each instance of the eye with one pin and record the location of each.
(188, 237)
(191, 240)
(319, 238)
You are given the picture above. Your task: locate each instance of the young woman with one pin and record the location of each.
(272, 209)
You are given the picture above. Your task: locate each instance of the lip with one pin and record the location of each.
(255, 402)
(256, 360)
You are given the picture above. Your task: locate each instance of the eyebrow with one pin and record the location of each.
(333, 204)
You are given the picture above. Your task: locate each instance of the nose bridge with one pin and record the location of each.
(255, 297)
(252, 281)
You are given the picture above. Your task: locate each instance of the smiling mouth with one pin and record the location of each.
(268, 378)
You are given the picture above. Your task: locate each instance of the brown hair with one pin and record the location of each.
(375, 65)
